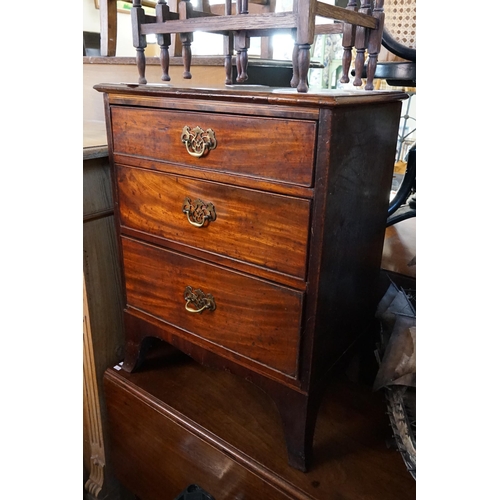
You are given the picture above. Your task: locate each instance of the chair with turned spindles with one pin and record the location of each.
(361, 26)
(399, 37)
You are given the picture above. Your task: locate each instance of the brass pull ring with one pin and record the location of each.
(197, 141)
(198, 212)
(199, 300)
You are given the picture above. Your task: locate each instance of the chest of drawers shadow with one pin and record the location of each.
(251, 227)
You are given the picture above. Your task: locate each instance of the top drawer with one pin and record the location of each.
(268, 148)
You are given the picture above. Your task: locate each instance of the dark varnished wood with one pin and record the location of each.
(175, 423)
(257, 227)
(285, 339)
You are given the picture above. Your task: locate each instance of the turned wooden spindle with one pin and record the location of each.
(185, 12)
(242, 45)
(360, 43)
(303, 62)
(228, 48)
(139, 41)
(349, 32)
(374, 43)
(164, 40)
(295, 66)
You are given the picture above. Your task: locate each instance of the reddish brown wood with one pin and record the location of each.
(175, 423)
(253, 319)
(283, 338)
(157, 134)
(252, 226)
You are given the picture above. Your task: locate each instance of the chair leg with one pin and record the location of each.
(164, 40)
(360, 43)
(186, 39)
(295, 67)
(374, 43)
(303, 62)
(138, 40)
(242, 45)
(348, 43)
(185, 12)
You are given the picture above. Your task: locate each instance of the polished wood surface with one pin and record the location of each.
(249, 225)
(253, 320)
(175, 423)
(157, 134)
(282, 331)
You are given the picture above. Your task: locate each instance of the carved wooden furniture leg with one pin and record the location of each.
(164, 40)
(186, 39)
(295, 66)
(306, 15)
(139, 41)
(348, 43)
(360, 43)
(303, 61)
(374, 43)
(91, 406)
(185, 10)
(242, 44)
(228, 48)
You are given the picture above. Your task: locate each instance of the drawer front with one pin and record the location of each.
(251, 318)
(267, 148)
(260, 228)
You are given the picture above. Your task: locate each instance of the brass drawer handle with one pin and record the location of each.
(199, 212)
(199, 300)
(197, 140)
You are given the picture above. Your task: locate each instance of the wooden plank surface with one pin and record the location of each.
(174, 423)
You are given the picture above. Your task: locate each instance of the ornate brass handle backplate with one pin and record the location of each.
(198, 300)
(197, 141)
(198, 212)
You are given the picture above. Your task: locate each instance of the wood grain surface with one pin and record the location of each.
(253, 318)
(252, 226)
(285, 148)
(176, 423)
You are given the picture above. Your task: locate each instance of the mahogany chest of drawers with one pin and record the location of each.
(251, 227)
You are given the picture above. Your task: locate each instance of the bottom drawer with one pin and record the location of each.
(228, 311)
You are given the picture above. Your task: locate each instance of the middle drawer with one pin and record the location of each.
(264, 229)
